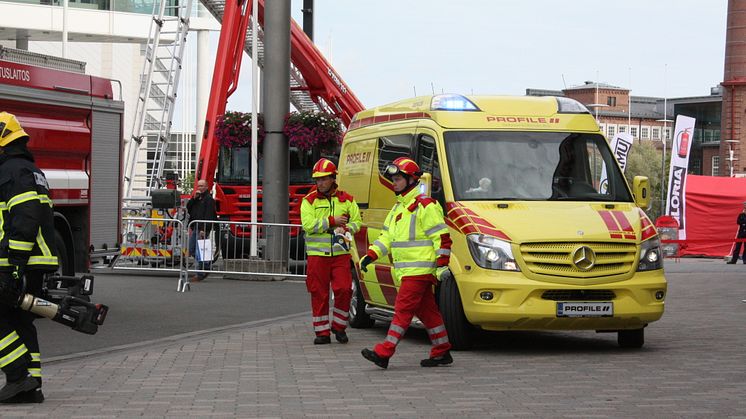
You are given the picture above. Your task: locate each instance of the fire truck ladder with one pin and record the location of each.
(159, 83)
(300, 97)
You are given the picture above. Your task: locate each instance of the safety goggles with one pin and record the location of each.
(391, 169)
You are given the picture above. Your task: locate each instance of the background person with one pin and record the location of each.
(201, 207)
(416, 235)
(326, 214)
(741, 221)
(27, 248)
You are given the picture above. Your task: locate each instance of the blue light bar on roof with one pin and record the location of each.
(452, 102)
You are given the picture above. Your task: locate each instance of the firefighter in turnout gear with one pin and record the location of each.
(330, 217)
(415, 234)
(27, 249)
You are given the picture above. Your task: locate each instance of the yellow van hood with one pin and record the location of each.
(522, 222)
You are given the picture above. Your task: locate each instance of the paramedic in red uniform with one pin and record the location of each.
(329, 217)
(420, 245)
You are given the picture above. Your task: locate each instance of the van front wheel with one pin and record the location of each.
(460, 332)
(359, 319)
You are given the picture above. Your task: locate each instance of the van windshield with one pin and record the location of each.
(538, 166)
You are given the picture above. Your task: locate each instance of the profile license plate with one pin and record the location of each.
(585, 309)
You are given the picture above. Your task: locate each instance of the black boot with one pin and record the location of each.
(33, 396)
(733, 260)
(322, 340)
(341, 336)
(444, 359)
(374, 358)
(12, 388)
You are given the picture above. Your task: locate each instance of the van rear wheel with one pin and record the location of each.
(631, 338)
(359, 319)
(460, 332)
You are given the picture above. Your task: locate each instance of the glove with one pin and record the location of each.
(11, 288)
(441, 272)
(364, 262)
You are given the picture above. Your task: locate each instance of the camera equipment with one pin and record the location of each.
(66, 301)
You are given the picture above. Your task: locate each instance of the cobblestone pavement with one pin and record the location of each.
(692, 365)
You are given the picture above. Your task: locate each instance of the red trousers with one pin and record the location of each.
(323, 272)
(415, 297)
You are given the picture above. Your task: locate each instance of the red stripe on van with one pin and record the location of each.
(386, 281)
(609, 220)
(622, 220)
(387, 118)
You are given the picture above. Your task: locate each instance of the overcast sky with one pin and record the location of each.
(387, 49)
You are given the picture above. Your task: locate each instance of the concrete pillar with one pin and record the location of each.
(276, 198)
(22, 39)
(734, 89)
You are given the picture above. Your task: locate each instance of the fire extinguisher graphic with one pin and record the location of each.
(684, 143)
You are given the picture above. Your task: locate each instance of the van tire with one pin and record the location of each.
(632, 339)
(460, 332)
(359, 319)
(63, 258)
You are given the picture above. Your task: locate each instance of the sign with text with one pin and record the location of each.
(682, 145)
(620, 147)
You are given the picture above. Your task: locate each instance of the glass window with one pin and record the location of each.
(392, 147)
(610, 131)
(532, 166)
(715, 165)
(427, 158)
(611, 101)
(234, 166)
(622, 129)
(633, 132)
(644, 133)
(656, 133)
(668, 133)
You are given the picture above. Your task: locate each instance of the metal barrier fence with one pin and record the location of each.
(151, 243)
(212, 247)
(225, 247)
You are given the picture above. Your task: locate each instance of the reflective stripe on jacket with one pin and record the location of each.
(26, 216)
(416, 235)
(317, 217)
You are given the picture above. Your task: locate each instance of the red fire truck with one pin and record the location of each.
(325, 90)
(75, 126)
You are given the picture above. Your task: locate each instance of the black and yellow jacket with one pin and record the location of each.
(26, 215)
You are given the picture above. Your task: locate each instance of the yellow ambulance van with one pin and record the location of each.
(547, 234)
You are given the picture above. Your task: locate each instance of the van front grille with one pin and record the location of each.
(557, 258)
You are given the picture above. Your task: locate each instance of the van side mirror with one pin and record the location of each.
(426, 182)
(641, 189)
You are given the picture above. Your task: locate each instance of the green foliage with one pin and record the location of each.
(187, 184)
(645, 160)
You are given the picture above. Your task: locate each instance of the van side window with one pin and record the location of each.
(392, 147)
(427, 158)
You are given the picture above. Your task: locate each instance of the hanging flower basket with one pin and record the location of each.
(234, 129)
(308, 130)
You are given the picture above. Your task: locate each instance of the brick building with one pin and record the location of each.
(644, 118)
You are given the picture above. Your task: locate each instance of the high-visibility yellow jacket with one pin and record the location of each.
(416, 235)
(317, 217)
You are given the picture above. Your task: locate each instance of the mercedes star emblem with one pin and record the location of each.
(583, 258)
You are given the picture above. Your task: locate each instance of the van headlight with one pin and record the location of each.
(491, 253)
(650, 255)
